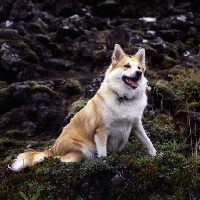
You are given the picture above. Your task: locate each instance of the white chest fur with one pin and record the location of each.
(119, 118)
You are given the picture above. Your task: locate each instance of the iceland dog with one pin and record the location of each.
(105, 123)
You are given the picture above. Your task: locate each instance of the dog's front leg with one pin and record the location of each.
(100, 139)
(142, 136)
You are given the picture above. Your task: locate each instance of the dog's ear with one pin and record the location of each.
(117, 53)
(141, 56)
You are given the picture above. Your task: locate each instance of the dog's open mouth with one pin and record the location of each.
(132, 82)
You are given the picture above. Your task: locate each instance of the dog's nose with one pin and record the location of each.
(138, 74)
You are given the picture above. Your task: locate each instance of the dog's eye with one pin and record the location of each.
(138, 67)
(127, 66)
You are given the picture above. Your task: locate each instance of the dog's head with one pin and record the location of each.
(127, 72)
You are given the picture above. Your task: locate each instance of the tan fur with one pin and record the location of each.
(105, 123)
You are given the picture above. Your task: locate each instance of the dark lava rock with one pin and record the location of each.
(71, 27)
(190, 59)
(22, 10)
(45, 116)
(19, 93)
(58, 64)
(121, 35)
(92, 88)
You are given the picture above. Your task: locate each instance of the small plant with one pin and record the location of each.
(187, 87)
(34, 197)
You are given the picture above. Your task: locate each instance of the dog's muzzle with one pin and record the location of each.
(132, 81)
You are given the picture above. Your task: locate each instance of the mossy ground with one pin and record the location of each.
(169, 175)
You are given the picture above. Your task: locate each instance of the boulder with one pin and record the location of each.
(22, 10)
(71, 27)
(58, 64)
(121, 35)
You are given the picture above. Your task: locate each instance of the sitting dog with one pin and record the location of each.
(105, 123)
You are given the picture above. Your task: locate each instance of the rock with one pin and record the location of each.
(66, 8)
(189, 59)
(9, 57)
(22, 10)
(98, 58)
(171, 35)
(108, 8)
(29, 128)
(45, 116)
(121, 35)
(39, 49)
(92, 88)
(32, 72)
(86, 52)
(39, 98)
(58, 64)
(19, 93)
(71, 27)
(164, 7)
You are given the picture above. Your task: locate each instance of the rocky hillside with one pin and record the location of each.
(55, 52)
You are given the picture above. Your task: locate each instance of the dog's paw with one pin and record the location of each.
(152, 152)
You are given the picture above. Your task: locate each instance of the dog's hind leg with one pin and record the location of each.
(75, 156)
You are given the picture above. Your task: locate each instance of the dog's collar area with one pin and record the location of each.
(124, 98)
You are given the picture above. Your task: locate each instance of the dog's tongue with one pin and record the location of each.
(132, 83)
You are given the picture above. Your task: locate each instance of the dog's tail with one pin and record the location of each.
(29, 159)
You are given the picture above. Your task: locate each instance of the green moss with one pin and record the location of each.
(169, 176)
(96, 36)
(107, 3)
(36, 28)
(98, 58)
(75, 107)
(139, 32)
(72, 86)
(15, 134)
(151, 75)
(3, 84)
(176, 70)
(9, 34)
(43, 39)
(168, 62)
(190, 43)
(165, 89)
(161, 125)
(25, 51)
(31, 56)
(187, 87)
(41, 88)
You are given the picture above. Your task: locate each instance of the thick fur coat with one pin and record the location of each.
(105, 123)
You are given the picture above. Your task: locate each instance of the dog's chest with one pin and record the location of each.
(119, 120)
(123, 113)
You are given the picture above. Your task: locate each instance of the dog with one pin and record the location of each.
(105, 123)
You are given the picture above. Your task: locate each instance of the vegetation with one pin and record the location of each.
(72, 86)
(131, 174)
